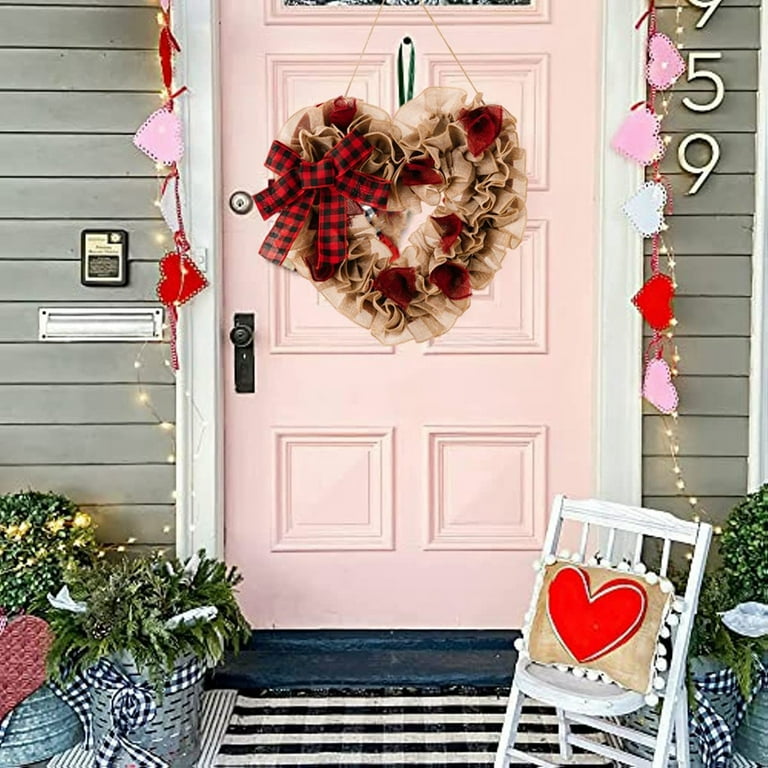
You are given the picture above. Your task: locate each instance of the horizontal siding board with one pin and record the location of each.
(727, 28)
(29, 155)
(707, 316)
(95, 485)
(712, 276)
(78, 70)
(53, 240)
(84, 404)
(714, 356)
(85, 444)
(57, 112)
(86, 363)
(737, 153)
(698, 436)
(78, 198)
(716, 507)
(739, 70)
(704, 476)
(722, 235)
(151, 524)
(738, 112)
(60, 281)
(23, 26)
(719, 195)
(709, 395)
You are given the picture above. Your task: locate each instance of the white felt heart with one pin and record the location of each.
(645, 209)
(168, 206)
(161, 137)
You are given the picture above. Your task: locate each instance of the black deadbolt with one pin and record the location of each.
(241, 337)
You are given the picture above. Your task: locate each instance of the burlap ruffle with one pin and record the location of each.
(486, 192)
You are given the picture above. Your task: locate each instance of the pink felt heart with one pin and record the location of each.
(638, 137)
(161, 137)
(658, 388)
(665, 64)
(24, 644)
(165, 5)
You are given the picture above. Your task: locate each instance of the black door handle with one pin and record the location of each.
(241, 337)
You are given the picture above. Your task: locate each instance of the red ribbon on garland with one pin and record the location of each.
(327, 183)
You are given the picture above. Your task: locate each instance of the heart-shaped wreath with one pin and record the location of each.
(347, 175)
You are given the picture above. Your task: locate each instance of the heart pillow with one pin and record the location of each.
(347, 176)
(24, 644)
(600, 620)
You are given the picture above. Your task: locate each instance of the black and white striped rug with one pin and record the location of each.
(397, 728)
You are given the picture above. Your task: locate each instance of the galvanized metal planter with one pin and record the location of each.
(41, 726)
(174, 732)
(752, 736)
(646, 719)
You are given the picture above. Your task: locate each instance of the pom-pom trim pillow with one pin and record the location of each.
(599, 619)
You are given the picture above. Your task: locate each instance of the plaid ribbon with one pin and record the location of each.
(132, 707)
(709, 727)
(326, 183)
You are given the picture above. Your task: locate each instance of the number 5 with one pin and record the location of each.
(706, 74)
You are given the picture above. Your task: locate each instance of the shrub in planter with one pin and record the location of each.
(42, 537)
(744, 549)
(154, 626)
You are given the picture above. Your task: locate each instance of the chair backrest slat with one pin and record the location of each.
(665, 557)
(610, 545)
(638, 558)
(584, 541)
(649, 522)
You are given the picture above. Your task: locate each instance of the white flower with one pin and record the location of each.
(205, 613)
(748, 619)
(63, 600)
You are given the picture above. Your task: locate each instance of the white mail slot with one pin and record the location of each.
(100, 324)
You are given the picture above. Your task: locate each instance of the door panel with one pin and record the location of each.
(371, 486)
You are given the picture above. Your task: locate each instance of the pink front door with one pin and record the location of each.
(379, 487)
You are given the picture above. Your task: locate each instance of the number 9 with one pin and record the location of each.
(702, 171)
(709, 7)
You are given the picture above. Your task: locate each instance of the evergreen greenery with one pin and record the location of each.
(129, 603)
(42, 537)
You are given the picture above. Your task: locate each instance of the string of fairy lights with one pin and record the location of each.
(671, 423)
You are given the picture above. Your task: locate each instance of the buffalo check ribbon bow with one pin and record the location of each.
(327, 183)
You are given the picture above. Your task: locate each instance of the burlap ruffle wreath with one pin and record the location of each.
(461, 159)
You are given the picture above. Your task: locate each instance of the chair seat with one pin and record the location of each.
(564, 690)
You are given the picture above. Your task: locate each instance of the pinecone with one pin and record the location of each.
(99, 629)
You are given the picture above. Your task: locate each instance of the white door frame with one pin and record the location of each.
(618, 428)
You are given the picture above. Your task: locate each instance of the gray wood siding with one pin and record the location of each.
(712, 233)
(77, 77)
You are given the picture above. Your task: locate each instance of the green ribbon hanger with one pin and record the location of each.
(405, 94)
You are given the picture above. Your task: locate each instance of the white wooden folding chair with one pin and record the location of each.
(597, 704)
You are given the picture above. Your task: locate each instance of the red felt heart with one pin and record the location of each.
(588, 625)
(24, 644)
(180, 279)
(654, 300)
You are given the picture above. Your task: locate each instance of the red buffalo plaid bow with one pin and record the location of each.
(326, 183)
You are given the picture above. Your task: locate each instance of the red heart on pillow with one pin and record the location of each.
(24, 644)
(654, 300)
(592, 625)
(180, 279)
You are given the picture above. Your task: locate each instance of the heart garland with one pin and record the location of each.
(654, 301)
(658, 388)
(638, 137)
(590, 625)
(161, 137)
(24, 645)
